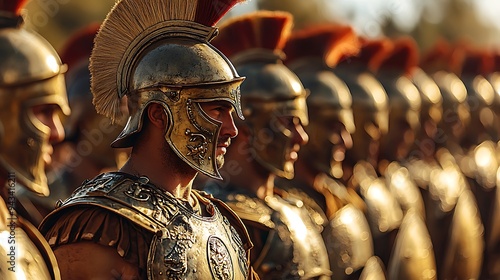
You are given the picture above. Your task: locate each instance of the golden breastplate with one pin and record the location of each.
(293, 249)
(185, 244)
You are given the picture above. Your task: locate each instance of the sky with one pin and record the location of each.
(367, 15)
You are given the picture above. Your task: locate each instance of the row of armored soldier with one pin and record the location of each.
(413, 152)
(385, 186)
(403, 112)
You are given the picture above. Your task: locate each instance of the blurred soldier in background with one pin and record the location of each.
(310, 54)
(451, 210)
(85, 152)
(492, 236)
(146, 221)
(33, 96)
(370, 108)
(288, 245)
(412, 256)
(479, 162)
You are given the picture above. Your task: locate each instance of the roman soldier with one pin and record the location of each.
(146, 221)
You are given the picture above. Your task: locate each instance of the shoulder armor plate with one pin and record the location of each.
(413, 255)
(185, 245)
(349, 241)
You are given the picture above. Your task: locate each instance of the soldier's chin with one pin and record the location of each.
(219, 161)
(47, 159)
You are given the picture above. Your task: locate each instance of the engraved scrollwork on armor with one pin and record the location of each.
(142, 192)
(201, 138)
(179, 239)
(238, 247)
(98, 184)
(235, 94)
(219, 259)
(137, 192)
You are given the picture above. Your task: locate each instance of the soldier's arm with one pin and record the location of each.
(89, 260)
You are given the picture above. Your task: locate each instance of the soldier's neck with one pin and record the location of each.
(255, 179)
(171, 175)
(305, 172)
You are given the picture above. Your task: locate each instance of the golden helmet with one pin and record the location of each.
(394, 74)
(272, 89)
(31, 74)
(369, 99)
(441, 63)
(480, 94)
(311, 53)
(159, 52)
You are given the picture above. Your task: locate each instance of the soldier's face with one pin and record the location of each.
(48, 115)
(222, 111)
(297, 134)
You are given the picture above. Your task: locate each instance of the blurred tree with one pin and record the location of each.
(304, 12)
(56, 20)
(460, 21)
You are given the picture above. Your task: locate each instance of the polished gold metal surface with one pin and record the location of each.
(31, 74)
(384, 212)
(349, 241)
(330, 113)
(404, 188)
(374, 270)
(272, 91)
(185, 244)
(24, 253)
(413, 255)
(464, 254)
(293, 248)
(370, 106)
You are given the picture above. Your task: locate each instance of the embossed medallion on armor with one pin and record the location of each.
(219, 259)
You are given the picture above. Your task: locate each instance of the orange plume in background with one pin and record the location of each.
(330, 42)
(79, 46)
(209, 12)
(372, 52)
(404, 57)
(258, 30)
(12, 6)
(443, 57)
(478, 62)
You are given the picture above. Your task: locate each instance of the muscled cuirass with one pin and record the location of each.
(185, 244)
(294, 248)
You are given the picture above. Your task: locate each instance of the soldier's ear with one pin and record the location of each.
(157, 116)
